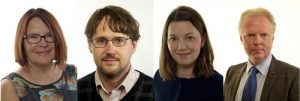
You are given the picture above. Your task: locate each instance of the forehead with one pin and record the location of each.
(179, 28)
(37, 25)
(103, 30)
(257, 22)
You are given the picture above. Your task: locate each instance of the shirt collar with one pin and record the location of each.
(262, 67)
(128, 82)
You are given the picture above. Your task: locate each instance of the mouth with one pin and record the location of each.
(257, 50)
(110, 60)
(183, 54)
(43, 53)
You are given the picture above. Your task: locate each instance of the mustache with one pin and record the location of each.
(109, 57)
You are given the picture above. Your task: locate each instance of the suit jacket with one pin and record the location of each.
(281, 84)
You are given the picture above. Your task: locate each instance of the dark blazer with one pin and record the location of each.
(282, 82)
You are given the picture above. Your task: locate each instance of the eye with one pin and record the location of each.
(190, 38)
(33, 36)
(118, 40)
(49, 35)
(100, 41)
(172, 39)
(264, 35)
(250, 35)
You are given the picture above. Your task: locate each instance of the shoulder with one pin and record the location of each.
(284, 67)
(86, 84)
(237, 66)
(157, 78)
(217, 76)
(86, 79)
(6, 84)
(71, 69)
(144, 76)
(280, 63)
(146, 81)
(8, 92)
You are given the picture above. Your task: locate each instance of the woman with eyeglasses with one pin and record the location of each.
(41, 52)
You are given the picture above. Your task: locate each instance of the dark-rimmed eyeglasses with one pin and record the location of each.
(35, 38)
(102, 42)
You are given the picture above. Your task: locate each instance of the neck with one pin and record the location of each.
(41, 74)
(185, 72)
(41, 68)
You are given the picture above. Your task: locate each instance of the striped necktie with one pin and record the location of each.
(250, 86)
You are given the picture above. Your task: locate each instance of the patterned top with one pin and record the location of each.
(63, 89)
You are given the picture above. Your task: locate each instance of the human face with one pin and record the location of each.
(42, 52)
(257, 38)
(111, 60)
(184, 43)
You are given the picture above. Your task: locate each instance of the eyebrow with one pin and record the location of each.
(186, 34)
(98, 37)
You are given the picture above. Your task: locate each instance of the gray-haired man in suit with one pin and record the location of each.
(273, 79)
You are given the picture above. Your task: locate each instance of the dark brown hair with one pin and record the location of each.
(52, 24)
(204, 62)
(119, 21)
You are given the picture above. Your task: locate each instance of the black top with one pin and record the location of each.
(195, 89)
(141, 91)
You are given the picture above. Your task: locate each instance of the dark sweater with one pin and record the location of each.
(141, 91)
(195, 89)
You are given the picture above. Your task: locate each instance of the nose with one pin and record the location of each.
(258, 40)
(110, 49)
(181, 45)
(43, 42)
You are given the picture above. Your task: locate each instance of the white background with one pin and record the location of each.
(220, 16)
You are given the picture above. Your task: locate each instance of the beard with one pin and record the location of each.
(110, 74)
(114, 73)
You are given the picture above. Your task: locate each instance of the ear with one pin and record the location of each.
(134, 45)
(241, 38)
(90, 47)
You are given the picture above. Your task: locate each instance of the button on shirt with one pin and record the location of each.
(117, 93)
(263, 69)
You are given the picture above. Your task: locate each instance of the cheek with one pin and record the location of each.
(170, 49)
(29, 48)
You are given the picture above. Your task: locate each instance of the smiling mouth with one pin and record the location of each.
(43, 53)
(183, 54)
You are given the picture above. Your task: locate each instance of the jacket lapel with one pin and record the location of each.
(237, 78)
(271, 77)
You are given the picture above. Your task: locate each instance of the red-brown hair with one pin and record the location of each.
(52, 24)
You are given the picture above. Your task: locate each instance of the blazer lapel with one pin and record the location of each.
(236, 80)
(271, 77)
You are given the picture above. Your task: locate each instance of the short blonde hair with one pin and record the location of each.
(256, 11)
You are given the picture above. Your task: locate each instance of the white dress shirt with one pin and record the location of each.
(117, 93)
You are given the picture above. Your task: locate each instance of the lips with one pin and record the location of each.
(183, 54)
(43, 53)
(110, 60)
(257, 50)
